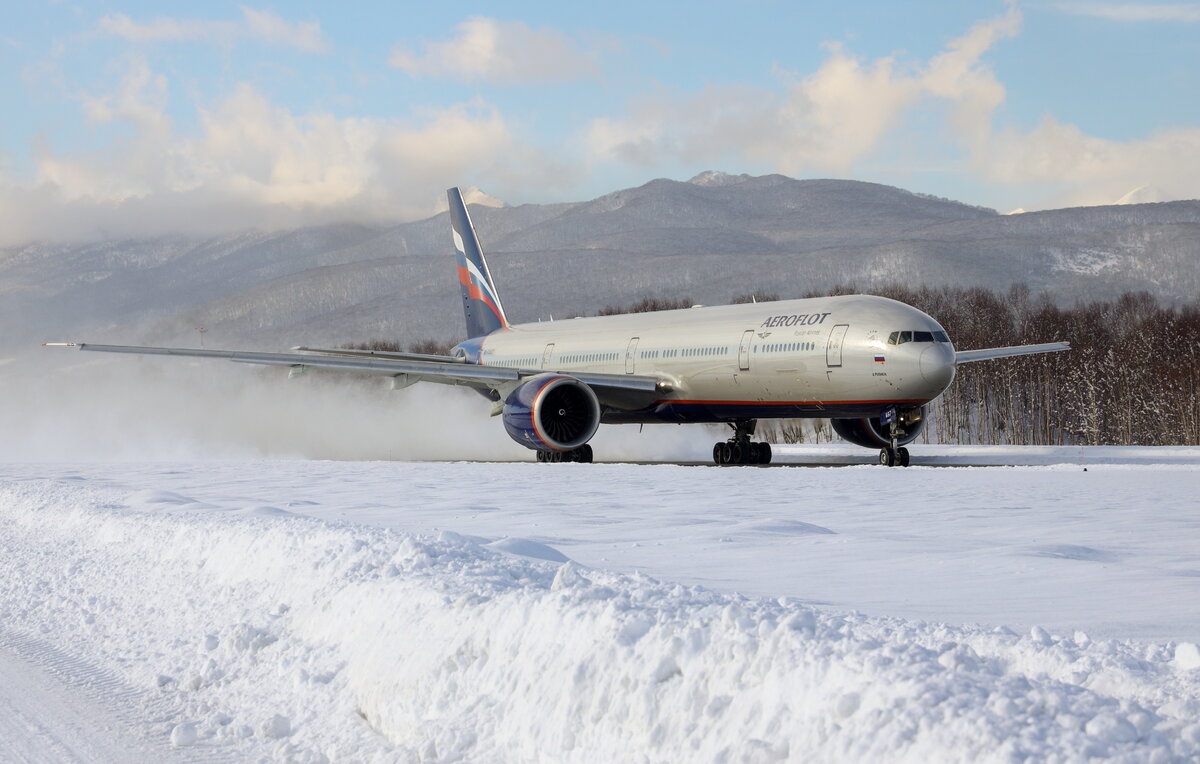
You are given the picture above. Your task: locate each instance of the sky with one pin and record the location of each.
(142, 119)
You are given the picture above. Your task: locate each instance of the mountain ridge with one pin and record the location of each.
(710, 239)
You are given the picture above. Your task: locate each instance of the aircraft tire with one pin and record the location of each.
(903, 454)
(738, 454)
(887, 457)
(764, 453)
(753, 453)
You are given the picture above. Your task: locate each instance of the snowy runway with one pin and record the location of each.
(357, 610)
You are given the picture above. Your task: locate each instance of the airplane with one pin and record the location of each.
(870, 364)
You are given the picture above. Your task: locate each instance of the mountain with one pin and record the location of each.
(711, 239)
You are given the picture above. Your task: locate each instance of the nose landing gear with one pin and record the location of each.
(894, 454)
(740, 449)
(891, 457)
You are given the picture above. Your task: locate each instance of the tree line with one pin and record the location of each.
(1132, 376)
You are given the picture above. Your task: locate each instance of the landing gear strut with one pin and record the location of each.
(740, 449)
(582, 454)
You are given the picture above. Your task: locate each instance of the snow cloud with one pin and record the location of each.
(501, 52)
(1134, 11)
(261, 26)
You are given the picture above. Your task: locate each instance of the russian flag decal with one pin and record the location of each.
(879, 359)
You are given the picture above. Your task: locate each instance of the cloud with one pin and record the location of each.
(826, 121)
(252, 163)
(1093, 170)
(837, 117)
(503, 52)
(1134, 11)
(262, 26)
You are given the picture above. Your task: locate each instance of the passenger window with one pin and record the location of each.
(905, 337)
(892, 338)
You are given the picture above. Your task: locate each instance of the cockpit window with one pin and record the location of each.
(899, 338)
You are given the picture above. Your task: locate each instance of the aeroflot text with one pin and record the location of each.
(801, 319)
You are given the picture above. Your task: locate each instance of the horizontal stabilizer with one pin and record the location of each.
(968, 356)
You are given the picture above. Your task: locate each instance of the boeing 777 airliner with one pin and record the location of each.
(869, 364)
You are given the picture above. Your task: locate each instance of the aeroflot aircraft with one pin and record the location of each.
(868, 363)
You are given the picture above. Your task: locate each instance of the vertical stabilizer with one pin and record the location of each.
(481, 303)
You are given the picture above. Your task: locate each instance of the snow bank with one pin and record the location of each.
(270, 634)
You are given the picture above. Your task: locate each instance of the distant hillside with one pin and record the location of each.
(711, 238)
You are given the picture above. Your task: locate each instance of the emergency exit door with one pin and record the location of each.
(833, 350)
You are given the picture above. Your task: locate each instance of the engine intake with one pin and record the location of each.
(869, 433)
(552, 412)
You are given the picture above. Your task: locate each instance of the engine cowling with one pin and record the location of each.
(552, 412)
(869, 433)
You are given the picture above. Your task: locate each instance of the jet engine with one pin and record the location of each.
(869, 433)
(552, 412)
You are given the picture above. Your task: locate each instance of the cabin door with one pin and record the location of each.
(546, 356)
(744, 350)
(833, 350)
(631, 356)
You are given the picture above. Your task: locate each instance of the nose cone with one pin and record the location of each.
(937, 364)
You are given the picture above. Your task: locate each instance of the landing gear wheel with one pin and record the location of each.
(726, 453)
(754, 454)
(717, 453)
(902, 453)
(887, 457)
(737, 454)
(585, 454)
(764, 453)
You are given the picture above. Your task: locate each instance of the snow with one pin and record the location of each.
(311, 611)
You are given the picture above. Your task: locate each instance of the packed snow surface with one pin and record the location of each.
(313, 611)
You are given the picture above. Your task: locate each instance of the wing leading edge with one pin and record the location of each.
(968, 356)
(409, 367)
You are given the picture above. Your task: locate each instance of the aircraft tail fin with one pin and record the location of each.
(481, 302)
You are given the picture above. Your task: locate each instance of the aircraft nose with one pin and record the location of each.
(937, 364)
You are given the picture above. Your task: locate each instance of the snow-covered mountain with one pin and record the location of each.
(711, 238)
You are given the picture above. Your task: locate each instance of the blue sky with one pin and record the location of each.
(137, 118)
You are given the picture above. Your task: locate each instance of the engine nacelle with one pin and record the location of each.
(552, 412)
(869, 433)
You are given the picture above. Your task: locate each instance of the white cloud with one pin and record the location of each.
(262, 26)
(252, 163)
(506, 52)
(1135, 11)
(840, 115)
(826, 121)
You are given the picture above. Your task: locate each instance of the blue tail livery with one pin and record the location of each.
(481, 303)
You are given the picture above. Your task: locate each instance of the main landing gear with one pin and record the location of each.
(582, 454)
(740, 449)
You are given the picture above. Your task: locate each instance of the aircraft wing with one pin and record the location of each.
(967, 356)
(450, 371)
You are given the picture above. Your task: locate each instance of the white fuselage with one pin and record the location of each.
(818, 357)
